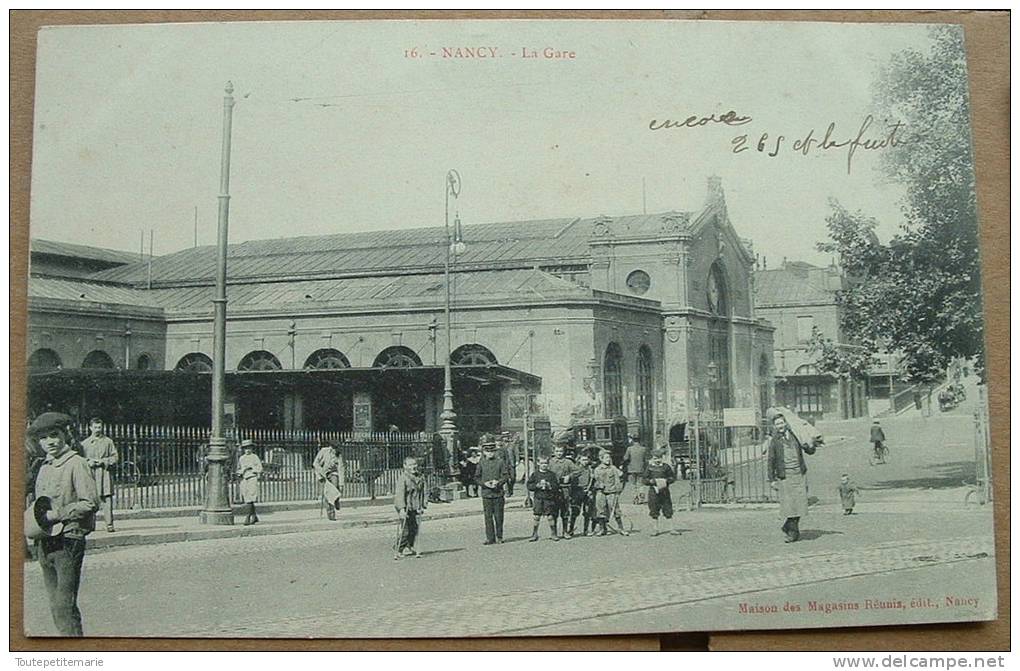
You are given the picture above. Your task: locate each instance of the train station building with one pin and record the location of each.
(649, 317)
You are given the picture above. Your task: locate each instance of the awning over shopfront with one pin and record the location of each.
(176, 396)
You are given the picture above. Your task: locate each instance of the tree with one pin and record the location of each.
(921, 293)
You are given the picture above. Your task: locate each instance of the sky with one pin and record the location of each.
(337, 129)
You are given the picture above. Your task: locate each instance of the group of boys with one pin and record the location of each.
(563, 490)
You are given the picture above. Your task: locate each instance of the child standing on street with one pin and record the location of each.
(658, 477)
(847, 494)
(409, 500)
(545, 488)
(608, 485)
(582, 496)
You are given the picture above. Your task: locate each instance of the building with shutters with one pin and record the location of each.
(650, 317)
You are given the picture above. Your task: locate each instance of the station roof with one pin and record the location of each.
(69, 250)
(490, 245)
(392, 291)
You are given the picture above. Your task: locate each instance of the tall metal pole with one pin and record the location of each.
(217, 502)
(448, 428)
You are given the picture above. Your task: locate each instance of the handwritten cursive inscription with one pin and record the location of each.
(730, 118)
(772, 147)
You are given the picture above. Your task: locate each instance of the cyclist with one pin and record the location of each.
(878, 438)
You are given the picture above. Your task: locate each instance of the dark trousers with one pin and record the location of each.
(408, 531)
(660, 502)
(61, 559)
(492, 509)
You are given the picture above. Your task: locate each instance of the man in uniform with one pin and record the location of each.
(101, 455)
(566, 472)
(329, 468)
(66, 481)
(634, 465)
(492, 474)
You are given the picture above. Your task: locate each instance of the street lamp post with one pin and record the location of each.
(217, 502)
(448, 427)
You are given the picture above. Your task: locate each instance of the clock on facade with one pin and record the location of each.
(638, 282)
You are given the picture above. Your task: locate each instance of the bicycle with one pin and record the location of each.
(879, 455)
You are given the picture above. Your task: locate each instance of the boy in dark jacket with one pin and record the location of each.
(658, 476)
(583, 494)
(545, 488)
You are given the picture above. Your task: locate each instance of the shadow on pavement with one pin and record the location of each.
(813, 534)
(943, 476)
(429, 553)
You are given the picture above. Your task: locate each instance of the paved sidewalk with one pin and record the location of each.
(187, 526)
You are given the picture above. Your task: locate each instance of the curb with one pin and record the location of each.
(128, 539)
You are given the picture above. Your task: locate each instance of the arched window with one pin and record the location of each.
(396, 357)
(196, 362)
(613, 380)
(645, 395)
(97, 358)
(259, 360)
(327, 359)
(44, 359)
(472, 355)
(717, 293)
(144, 362)
(806, 369)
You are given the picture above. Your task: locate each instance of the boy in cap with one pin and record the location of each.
(608, 485)
(566, 471)
(583, 502)
(101, 456)
(545, 488)
(409, 500)
(66, 481)
(658, 476)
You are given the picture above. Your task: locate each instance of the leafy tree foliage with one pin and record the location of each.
(921, 293)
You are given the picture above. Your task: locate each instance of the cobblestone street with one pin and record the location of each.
(343, 583)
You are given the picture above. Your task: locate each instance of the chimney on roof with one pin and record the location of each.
(715, 191)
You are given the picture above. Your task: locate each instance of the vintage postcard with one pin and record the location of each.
(370, 329)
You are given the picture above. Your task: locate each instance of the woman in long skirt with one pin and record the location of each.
(786, 471)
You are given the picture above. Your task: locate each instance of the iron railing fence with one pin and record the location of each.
(725, 464)
(164, 466)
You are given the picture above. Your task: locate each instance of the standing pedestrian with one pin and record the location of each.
(608, 485)
(491, 476)
(330, 470)
(786, 471)
(409, 500)
(562, 464)
(658, 476)
(67, 491)
(583, 502)
(249, 467)
(847, 494)
(634, 459)
(509, 452)
(545, 489)
(101, 456)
